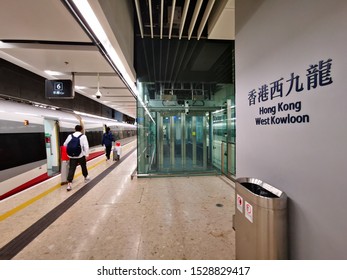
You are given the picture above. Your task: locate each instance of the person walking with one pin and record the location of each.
(107, 140)
(78, 150)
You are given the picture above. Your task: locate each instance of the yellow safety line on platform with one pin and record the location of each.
(41, 195)
(27, 203)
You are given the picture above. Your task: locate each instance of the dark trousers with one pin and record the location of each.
(73, 164)
(108, 151)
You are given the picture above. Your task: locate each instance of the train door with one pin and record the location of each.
(52, 146)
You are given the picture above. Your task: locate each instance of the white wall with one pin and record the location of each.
(306, 160)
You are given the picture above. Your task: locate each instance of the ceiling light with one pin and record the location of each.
(54, 73)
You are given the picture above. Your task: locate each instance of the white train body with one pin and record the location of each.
(30, 140)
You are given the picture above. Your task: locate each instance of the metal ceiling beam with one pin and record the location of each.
(139, 18)
(183, 19)
(194, 18)
(205, 17)
(150, 16)
(172, 16)
(161, 18)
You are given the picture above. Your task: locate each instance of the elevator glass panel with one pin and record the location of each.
(182, 143)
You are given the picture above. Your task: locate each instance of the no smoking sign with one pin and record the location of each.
(249, 211)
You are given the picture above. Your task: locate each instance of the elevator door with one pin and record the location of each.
(182, 142)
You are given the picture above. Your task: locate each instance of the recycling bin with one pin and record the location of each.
(260, 221)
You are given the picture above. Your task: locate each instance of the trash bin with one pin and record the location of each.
(64, 165)
(260, 221)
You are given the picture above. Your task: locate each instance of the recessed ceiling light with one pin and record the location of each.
(54, 73)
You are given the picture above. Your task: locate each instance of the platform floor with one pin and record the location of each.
(123, 218)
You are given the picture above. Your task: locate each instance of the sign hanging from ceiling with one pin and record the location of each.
(59, 89)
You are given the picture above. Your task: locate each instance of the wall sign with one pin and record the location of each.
(249, 211)
(317, 75)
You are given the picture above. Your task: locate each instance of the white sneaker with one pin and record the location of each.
(69, 187)
(86, 179)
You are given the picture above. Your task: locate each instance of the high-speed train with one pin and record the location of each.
(31, 137)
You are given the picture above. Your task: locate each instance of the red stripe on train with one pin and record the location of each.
(26, 185)
(40, 179)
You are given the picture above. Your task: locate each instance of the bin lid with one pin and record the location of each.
(262, 193)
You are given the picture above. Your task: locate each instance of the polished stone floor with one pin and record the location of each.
(131, 219)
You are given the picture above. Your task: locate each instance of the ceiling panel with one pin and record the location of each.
(39, 20)
(42, 35)
(91, 80)
(65, 61)
(220, 32)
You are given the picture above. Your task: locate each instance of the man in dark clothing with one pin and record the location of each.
(107, 140)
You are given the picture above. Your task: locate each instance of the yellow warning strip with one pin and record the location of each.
(27, 203)
(41, 195)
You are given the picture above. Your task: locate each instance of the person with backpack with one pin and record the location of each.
(77, 148)
(107, 140)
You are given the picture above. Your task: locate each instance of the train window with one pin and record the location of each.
(115, 134)
(94, 138)
(21, 148)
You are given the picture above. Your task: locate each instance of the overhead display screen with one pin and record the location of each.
(58, 89)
